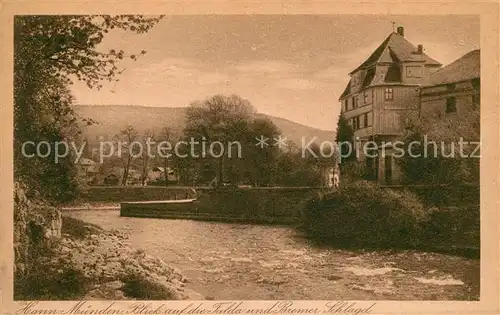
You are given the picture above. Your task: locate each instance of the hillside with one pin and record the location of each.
(113, 118)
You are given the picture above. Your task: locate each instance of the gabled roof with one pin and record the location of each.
(396, 47)
(347, 90)
(465, 68)
(161, 169)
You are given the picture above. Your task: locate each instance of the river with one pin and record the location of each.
(253, 262)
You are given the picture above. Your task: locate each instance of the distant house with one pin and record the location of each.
(134, 177)
(87, 167)
(111, 179)
(379, 92)
(158, 174)
(87, 170)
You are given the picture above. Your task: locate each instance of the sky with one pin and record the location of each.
(289, 66)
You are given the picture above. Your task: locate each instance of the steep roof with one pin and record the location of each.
(465, 68)
(347, 90)
(397, 47)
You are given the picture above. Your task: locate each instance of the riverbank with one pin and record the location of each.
(92, 263)
(256, 262)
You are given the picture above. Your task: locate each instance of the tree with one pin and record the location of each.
(127, 153)
(321, 160)
(145, 158)
(218, 118)
(262, 160)
(441, 135)
(345, 134)
(50, 52)
(165, 136)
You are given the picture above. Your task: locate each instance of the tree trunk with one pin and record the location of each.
(144, 173)
(221, 171)
(125, 171)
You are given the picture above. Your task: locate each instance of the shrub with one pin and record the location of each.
(139, 287)
(361, 214)
(453, 227)
(49, 278)
(77, 228)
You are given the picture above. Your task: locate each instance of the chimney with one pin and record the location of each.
(401, 31)
(420, 49)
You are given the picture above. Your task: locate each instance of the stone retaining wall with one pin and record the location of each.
(259, 205)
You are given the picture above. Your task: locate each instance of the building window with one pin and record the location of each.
(345, 105)
(365, 118)
(451, 105)
(355, 123)
(450, 87)
(365, 97)
(388, 94)
(354, 102)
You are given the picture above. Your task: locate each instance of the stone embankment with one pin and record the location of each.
(105, 255)
(46, 240)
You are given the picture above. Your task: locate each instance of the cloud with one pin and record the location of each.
(266, 67)
(170, 67)
(211, 78)
(297, 84)
(334, 73)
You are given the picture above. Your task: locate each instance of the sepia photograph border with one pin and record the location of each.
(490, 139)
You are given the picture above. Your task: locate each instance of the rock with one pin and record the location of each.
(361, 287)
(275, 280)
(192, 295)
(333, 278)
(116, 285)
(34, 224)
(241, 259)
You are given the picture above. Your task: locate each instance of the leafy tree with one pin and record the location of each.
(321, 160)
(429, 165)
(345, 134)
(50, 52)
(218, 118)
(257, 165)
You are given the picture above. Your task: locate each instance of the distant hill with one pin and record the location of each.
(113, 118)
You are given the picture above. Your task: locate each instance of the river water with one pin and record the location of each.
(253, 262)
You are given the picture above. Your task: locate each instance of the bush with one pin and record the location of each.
(49, 278)
(77, 228)
(453, 227)
(361, 214)
(139, 287)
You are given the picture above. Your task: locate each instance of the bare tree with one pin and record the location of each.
(126, 137)
(145, 158)
(165, 136)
